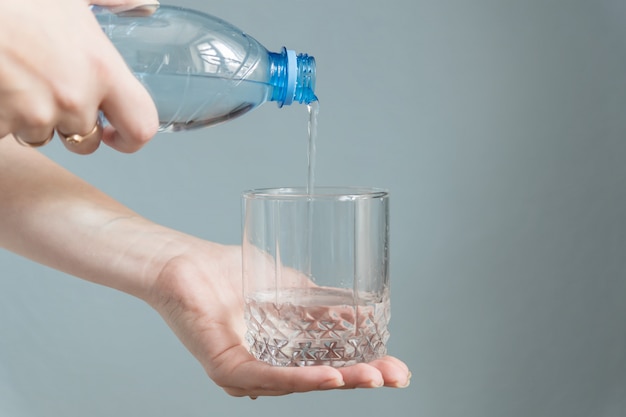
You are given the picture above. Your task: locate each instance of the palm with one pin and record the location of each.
(202, 302)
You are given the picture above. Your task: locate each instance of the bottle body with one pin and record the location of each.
(201, 70)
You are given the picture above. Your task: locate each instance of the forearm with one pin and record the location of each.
(52, 217)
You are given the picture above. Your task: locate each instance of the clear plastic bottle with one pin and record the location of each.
(201, 70)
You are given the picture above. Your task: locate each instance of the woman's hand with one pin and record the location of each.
(59, 70)
(199, 295)
(52, 217)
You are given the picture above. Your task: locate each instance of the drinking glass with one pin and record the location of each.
(316, 275)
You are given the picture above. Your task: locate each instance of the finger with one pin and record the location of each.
(293, 380)
(128, 7)
(125, 103)
(129, 109)
(33, 136)
(83, 143)
(395, 373)
(250, 377)
(122, 4)
(34, 143)
(80, 130)
(136, 9)
(31, 119)
(361, 375)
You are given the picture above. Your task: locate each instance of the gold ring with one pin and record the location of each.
(76, 139)
(35, 144)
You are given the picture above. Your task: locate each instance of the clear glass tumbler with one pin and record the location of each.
(316, 275)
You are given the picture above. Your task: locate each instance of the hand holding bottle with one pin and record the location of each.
(59, 71)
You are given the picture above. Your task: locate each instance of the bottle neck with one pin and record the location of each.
(292, 77)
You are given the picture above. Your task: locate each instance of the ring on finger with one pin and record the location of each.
(76, 139)
(34, 144)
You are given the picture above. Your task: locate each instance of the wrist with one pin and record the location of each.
(205, 278)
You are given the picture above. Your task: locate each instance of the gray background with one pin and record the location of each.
(500, 129)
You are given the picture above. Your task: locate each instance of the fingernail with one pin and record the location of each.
(332, 383)
(408, 381)
(137, 8)
(139, 3)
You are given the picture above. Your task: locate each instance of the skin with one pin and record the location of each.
(54, 218)
(55, 89)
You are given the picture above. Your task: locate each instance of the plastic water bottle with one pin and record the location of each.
(201, 70)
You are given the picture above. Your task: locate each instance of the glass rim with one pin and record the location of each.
(319, 192)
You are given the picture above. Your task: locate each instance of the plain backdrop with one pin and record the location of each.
(500, 129)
